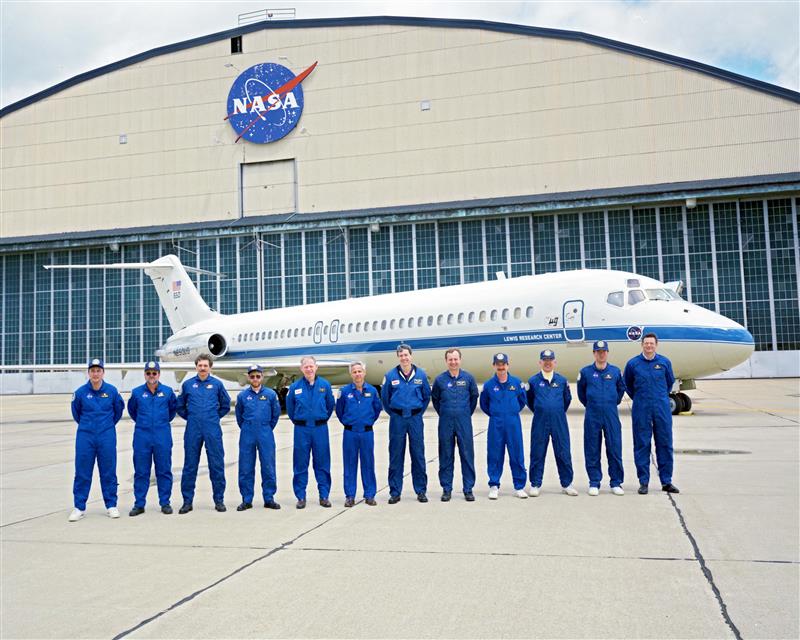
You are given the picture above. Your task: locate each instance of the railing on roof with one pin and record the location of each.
(266, 14)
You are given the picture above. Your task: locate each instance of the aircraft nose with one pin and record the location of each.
(739, 347)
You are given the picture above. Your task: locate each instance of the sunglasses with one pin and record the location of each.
(151, 373)
(255, 375)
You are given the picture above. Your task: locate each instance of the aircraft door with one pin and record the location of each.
(318, 332)
(572, 313)
(334, 331)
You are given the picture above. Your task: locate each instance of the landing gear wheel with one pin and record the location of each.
(687, 401)
(282, 393)
(675, 403)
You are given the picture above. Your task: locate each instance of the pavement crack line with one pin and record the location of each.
(706, 571)
(247, 565)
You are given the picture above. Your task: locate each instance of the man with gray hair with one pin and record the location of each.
(357, 408)
(309, 405)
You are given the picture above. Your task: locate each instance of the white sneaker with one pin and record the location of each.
(570, 491)
(617, 491)
(533, 492)
(594, 491)
(520, 493)
(76, 515)
(494, 493)
(113, 512)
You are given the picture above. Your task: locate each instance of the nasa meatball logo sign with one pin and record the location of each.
(266, 102)
(634, 333)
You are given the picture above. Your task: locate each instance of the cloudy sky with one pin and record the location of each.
(44, 43)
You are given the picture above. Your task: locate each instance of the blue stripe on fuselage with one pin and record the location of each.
(505, 339)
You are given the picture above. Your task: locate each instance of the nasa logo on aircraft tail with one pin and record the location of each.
(634, 333)
(266, 102)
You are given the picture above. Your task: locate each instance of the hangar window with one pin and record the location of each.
(471, 317)
(450, 318)
(635, 296)
(482, 317)
(517, 313)
(493, 315)
(529, 312)
(461, 318)
(236, 44)
(505, 314)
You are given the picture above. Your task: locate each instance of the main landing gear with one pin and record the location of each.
(679, 402)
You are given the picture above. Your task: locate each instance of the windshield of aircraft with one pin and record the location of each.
(635, 296)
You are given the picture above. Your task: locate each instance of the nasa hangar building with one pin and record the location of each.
(315, 160)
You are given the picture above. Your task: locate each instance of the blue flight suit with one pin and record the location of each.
(405, 400)
(600, 391)
(97, 414)
(455, 399)
(502, 402)
(358, 411)
(649, 383)
(202, 404)
(309, 407)
(152, 441)
(257, 413)
(549, 402)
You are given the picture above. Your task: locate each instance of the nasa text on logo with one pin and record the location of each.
(634, 333)
(265, 102)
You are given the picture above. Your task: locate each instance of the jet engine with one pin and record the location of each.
(188, 348)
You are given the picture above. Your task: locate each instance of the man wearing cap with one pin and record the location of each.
(649, 380)
(309, 406)
(405, 395)
(257, 413)
(600, 390)
(357, 408)
(97, 408)
(202, 403)
(152, 407)
(549, 398)
(454, 395)
(502, 398)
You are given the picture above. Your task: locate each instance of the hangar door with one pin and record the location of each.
(267, 188)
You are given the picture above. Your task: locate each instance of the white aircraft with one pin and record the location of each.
(563, 311)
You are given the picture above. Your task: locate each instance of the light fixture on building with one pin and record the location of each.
(374, 227)
(123, 138)
(114, 246)
(425, 105)
(691, 203)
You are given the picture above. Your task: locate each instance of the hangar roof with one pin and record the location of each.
(503, 27)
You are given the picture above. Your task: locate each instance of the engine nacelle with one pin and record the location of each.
(189, 348)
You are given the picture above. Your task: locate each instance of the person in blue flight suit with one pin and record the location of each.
(97, 408)
(549, 398)
(357, 408)
(257, 413)
(309, 406)
(502, 398)
(600, 390)
(454, 395)
(152, 407)
(405, 395)
(202, 403)
(649, 380)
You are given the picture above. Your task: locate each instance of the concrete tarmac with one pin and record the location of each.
(719, 560)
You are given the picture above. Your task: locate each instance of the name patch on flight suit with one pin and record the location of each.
(367, 395)
(395, 383)
(297, 392)
(209, 386)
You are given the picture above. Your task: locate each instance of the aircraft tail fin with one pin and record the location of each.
(179, 298)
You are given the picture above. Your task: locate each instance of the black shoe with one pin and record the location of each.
(137, 511)
(166, 509)
(643, 489)
(324, 502)
(244, 506)
(220, 506)
(271, 505)
(422, 497)
(445, 497)
(370, 501)
(669, 488)
(349, 502)
(301, 504)
(394, 499)
(186, 508)
(469, 496)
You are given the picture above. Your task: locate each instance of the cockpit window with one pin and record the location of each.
(673, 295)
(657, 294)
(632, 282)
(635, 296)
(617, 298)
